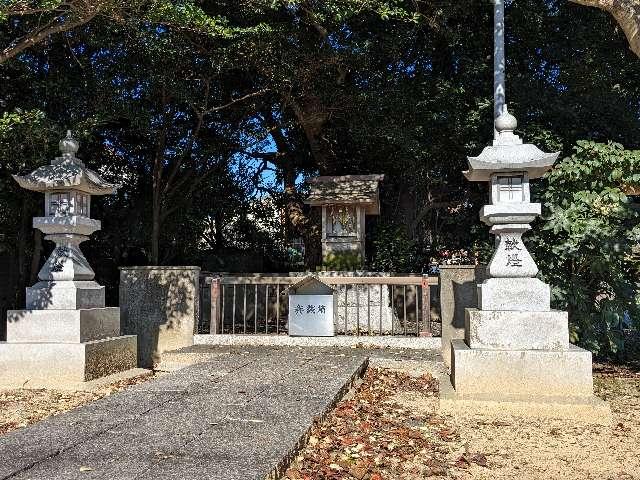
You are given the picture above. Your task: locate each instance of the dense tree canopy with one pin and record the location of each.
(210, 114)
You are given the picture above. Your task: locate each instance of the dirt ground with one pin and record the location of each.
(22, 407)
(390, 429)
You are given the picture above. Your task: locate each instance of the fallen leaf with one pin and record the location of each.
(462, 462)
(294, 474)
(479, 459)
(359, 470)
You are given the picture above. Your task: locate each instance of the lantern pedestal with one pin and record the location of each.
(60, 365)
(514, 294)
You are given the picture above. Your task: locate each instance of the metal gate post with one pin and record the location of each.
(216, 311)
(426, 308)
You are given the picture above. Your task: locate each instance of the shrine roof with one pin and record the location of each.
(309, 285)
(345, 189)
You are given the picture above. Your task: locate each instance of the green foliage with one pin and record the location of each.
(189, 15)
(586, 244)
(395, 251)
(342, 262)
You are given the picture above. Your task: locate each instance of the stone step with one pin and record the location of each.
(21, 363)
(585, 409)
(521, 372)
(65, 326)
(504, 330)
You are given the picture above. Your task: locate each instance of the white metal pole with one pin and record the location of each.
(498, 58)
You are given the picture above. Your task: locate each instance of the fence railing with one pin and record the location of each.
(366, 305)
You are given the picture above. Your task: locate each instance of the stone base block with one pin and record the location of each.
(69, 295)
(64, 326)
(504, 330)
(520, 372)
(586, 409)
(514, 294)
(66, 362)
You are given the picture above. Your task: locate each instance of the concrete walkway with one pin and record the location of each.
(239, 414)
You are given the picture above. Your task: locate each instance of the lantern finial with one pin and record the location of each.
(506, 122)
(69, 145)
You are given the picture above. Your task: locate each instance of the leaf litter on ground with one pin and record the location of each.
(371, 436)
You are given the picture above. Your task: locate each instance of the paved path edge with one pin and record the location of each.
(278, 471)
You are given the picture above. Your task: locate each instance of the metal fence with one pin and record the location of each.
(366, 305)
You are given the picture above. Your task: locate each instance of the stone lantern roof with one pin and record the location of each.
(66, 172)
(509, 154)
(346, 189)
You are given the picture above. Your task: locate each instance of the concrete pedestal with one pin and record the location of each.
(514, 294)
(66, 326)
(500, 330)
(59, 347)
(458, 291)
(521, 372)
(520, 363)
(34, 363)
(160, 305)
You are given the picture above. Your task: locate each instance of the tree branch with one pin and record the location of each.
(59, 24)
(626, 13)
(240, 99)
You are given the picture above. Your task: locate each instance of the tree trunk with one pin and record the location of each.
(296, 219)
(626, 13)
(155, 227)
(157, 187)
(312, 117)
(218, 220)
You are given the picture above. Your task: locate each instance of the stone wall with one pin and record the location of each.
(458, 290)
(161, 306)
(7, 289)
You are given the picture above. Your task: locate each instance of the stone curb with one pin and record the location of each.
(414, 343)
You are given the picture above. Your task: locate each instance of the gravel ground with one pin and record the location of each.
(22, 407)
(390, 429)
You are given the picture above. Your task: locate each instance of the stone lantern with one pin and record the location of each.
(345, 201)
(66, 334)
(66, 279)
(516, 348)
(508, 165)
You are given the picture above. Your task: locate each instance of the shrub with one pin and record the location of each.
(584, 248)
